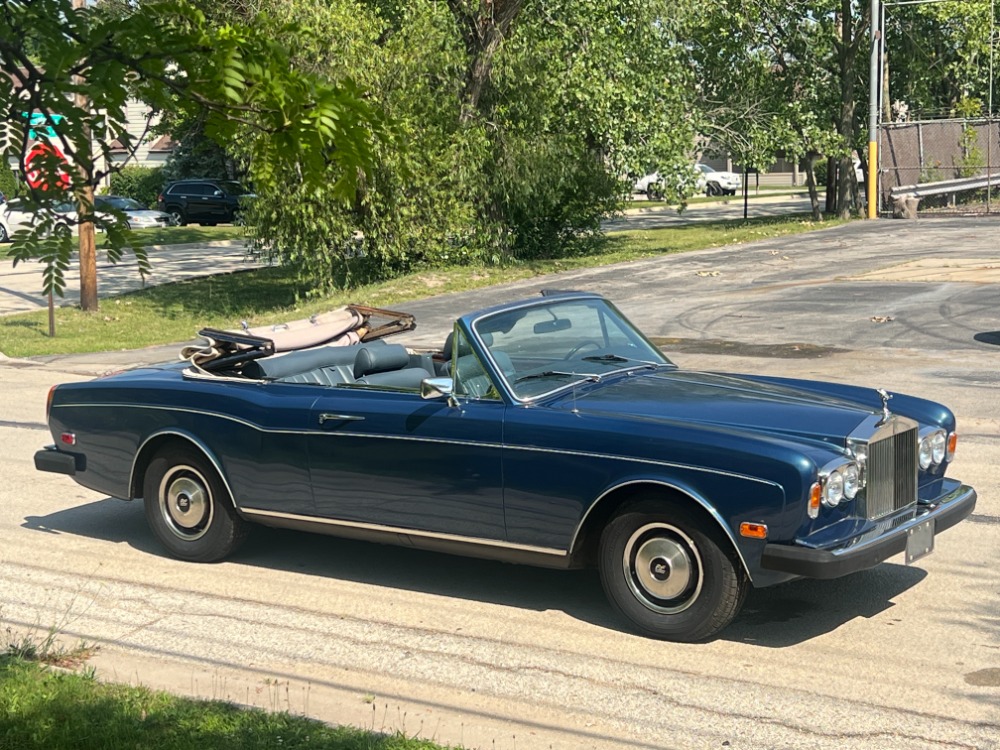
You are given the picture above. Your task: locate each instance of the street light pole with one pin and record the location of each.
(874, 81)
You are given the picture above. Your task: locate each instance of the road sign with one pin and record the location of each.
(39, 164)
(40, 124)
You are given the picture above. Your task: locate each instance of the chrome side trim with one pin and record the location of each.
(406, 531)
(197, 444)
(697, 498)
(442, 441)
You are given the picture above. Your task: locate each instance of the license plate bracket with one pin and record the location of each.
(919, 541)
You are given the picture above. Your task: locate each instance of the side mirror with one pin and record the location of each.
(434, 388)
(217, 193)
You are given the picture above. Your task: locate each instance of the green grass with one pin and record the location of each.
(44, 709)
(183, 235)
(174, 312)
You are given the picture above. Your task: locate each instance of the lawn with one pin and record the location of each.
(174, 312)
(46, 709)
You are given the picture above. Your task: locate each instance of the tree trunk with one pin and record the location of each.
(811, 182)
(85, 207)
(484, 26)
(848, 48)
(831, 185)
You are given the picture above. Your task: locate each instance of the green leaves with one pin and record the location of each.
(86, 64)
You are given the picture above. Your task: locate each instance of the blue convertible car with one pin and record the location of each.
(548, 431)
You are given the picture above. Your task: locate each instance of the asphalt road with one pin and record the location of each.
(497, 656)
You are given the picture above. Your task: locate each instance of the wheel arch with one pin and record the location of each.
(584, 546)
(155, 443)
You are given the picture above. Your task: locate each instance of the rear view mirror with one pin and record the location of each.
(550, 326)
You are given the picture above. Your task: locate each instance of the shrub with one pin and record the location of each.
(139, 183)
(8, 183)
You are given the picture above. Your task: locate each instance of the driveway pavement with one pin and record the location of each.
(21, 285)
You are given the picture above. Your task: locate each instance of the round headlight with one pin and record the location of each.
(852, 481)
(939, 445)
(833, 491)
(925, 453)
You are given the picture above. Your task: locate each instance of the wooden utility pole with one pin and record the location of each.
(85, 201)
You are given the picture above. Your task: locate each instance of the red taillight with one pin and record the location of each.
(68, 438)
(159, 198)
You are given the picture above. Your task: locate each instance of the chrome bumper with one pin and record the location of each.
(850, 558)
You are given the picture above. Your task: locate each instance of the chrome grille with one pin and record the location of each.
(891, 472)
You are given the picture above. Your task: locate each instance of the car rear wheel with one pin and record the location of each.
(669, 576)
(188, 507)
(4, 236)
(177, 216)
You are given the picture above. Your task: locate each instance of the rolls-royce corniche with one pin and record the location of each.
(548, 431)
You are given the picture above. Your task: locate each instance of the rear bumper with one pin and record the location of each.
(51, 459)
(868, 552)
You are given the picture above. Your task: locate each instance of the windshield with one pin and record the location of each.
(122, 204)
(705, 168)
(232, 188)
(545, 347)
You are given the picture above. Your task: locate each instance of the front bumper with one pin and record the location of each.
(868, 552)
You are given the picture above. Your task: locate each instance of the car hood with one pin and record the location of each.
(726, 400)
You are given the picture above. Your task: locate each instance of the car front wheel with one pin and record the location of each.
(4, 236)
(669, 576)
(188, 506)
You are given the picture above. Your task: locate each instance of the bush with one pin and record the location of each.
(8, 183)
(139, 183)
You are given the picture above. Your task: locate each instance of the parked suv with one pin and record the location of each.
(207, 202)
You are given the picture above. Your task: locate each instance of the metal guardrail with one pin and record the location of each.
(944, 187)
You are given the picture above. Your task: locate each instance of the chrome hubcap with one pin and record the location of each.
(185, 503)
(663, 568)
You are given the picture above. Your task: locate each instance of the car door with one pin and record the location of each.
(391, 460)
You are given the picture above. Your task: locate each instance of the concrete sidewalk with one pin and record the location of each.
(21, 285)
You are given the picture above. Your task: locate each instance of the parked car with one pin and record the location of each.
(206, 201)
(548, 431)
(16, 215)
(136, 215)
(714, 182)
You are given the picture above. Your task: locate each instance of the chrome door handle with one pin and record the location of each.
(340, 418)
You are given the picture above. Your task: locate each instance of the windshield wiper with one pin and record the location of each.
(550, 373)
(620, 358)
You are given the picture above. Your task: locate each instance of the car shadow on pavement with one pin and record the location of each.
(785, 615)
(798, 611)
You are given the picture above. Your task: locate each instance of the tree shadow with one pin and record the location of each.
(778, 617)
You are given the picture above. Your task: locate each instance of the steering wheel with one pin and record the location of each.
(581, 346)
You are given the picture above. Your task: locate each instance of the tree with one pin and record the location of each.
(67, 72)
(507, 145)
(781, 77)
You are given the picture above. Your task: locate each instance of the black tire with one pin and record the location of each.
(4, 237)
(671, 576)
(188, 507)
(712, 189)
(178, 216)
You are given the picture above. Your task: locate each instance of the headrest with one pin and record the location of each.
(380, 359)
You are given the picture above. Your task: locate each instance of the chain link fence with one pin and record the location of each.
(955, 162)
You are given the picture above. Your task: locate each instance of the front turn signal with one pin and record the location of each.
(815, 498)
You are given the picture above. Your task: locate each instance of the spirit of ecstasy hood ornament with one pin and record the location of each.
(885, 396)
